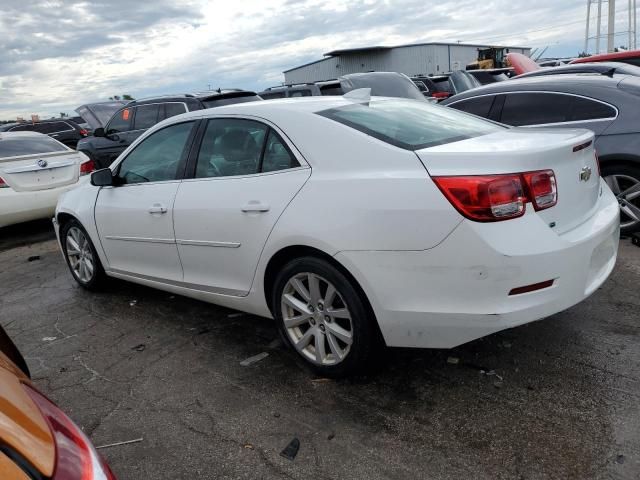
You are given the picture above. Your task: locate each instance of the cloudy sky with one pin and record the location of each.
(58, 54)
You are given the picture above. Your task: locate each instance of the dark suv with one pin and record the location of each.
(62, 129)
(129, 122)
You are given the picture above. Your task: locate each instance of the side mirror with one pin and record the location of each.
(102, 178)
(98, 132)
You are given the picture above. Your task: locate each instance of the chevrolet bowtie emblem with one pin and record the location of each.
(585, 174)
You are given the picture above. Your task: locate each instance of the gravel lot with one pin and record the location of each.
(134, 363)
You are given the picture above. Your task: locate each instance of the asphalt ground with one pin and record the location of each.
(558, 398)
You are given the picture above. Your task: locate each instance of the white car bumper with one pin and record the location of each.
(459, 290)
(17, 207)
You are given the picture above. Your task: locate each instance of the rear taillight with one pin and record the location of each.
(76, 458)
(3, 184)
(441, 95)
(84, 132)
(543, 191)
(492, 198)
(87, 167)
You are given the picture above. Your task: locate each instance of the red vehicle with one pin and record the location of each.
(631, 57)
(521, 63)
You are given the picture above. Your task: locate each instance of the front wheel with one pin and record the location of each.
(624, 181)
(324, 318)
(81, 256)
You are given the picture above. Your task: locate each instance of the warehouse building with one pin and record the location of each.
(414, 59)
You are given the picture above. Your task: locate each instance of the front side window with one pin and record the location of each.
(146, 116)
(157, 158)
(536, 108)
(120, 122)
(409, 124)
(480, 106)
(230, 147)
(31, 145)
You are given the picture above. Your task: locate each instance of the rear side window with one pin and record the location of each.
(270, 95)
(536, 108)
(276, 155)
(300, 93)
(146, 116)
(409, 124)
(23, 128)
(586, 109)
(480, 106)
(172, 109)
(31, 145)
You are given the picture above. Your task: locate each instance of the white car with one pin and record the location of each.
(351, 221)
(35, 170)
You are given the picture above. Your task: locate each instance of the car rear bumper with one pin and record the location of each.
(459, 290)
(18, 207)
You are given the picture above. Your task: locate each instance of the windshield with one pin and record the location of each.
(382, 84)
(98, 114)
(28, 145)
(463, 81)
(410, 125)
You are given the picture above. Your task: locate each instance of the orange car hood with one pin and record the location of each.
(22, 426)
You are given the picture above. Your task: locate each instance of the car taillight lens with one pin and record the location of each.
(492, 198)
(84, 132)
(486, 198)
(3, 184)
(87, 167)
(441, 95)
(76, 459)
(542, 188)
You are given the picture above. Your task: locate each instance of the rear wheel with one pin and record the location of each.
(324, 318)
(624, 181)
(82, 259)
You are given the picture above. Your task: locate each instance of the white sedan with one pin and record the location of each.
(35, 170)
(352, 222)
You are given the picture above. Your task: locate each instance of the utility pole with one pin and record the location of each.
(611, 30)
(598, 26)
(586, 35)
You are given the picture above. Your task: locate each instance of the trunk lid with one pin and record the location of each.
(568, 152)
(41, 171)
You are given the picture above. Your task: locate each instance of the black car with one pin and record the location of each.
(383, 84)
(130, 121)
(62, 129)
(609, 105)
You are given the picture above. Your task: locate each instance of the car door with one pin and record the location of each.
(245, 175)
(135, 217)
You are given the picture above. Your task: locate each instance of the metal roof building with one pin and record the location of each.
(412, 59)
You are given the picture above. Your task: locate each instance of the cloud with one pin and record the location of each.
(56, 55)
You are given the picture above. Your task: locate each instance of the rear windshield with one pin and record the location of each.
(31, 145)
(230, 100)
(411, 125)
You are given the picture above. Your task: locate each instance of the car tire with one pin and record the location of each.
(323, 317)
(621, 178)
(82, 258)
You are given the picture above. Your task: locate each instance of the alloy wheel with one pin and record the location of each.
(316, 319)
(80, 255)
(627, 191)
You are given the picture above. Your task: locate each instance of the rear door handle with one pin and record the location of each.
(157, 208)
(256, 206)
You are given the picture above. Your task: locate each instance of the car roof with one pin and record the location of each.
(563, 82)
(24, 134)
(595, 67)
(206, 95)
(608, 56)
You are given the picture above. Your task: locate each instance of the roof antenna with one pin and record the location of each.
(359, 95)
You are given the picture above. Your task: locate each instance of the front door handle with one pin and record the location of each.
(157, 208)
(255, 206)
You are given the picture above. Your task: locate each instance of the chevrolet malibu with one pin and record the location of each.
(352, 221)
